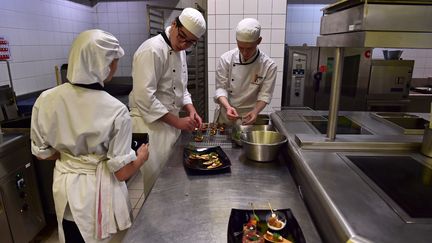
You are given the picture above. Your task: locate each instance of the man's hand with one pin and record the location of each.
(250, 117)
(197, 119)
(232, 114)
(186, 123)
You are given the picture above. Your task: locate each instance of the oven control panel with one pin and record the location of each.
(297, 79)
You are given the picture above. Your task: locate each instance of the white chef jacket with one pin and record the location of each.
(245, 83)
(159, 86)
(93, 135)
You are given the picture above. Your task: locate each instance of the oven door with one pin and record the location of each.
(355, 78)
(4, 225)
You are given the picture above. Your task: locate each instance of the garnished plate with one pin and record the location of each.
(206, 159)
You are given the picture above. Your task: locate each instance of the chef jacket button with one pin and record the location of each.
(170, 52)
(232, 79)
(173, 70)
(233, 65)
(173, 87)
(231, 92)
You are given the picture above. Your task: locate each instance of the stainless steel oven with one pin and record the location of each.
(21, 214)
(367, 84)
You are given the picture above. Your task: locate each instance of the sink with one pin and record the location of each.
(407, 123)
(403, 181)
(344, 125)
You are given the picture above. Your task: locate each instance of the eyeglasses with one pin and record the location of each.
(183, 38)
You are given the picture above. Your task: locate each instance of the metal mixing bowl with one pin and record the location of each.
(262, 145)
(237, 130)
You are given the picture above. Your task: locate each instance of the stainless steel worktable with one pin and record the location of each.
(191, 208)
(347, 206)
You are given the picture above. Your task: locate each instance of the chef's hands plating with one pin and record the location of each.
(188, 123)
(232, 114)
(250, 117)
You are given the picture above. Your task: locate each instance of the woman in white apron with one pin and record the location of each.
(89, 133)
(159, 73)
(245, 77)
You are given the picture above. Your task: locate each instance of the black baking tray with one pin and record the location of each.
(239, 217)
(196, 166)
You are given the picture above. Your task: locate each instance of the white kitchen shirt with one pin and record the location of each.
(244, 83)
(93, 144)
(159, 86)
(159, 80)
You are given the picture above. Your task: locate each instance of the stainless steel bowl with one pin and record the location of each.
(239, 129)
(262, 145)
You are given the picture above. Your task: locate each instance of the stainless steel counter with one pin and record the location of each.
(345, 208)
(191, 208)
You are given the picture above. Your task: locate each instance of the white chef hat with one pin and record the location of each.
(90, 55)
(248, 30)
(193, 21)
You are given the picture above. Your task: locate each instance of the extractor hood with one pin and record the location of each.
(377, 23)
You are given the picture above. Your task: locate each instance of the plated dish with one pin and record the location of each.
(246, 226)
(206, 159)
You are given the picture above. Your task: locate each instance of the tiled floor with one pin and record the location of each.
(136, 195)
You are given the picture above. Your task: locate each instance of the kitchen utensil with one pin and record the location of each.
(262, 145)
(273, 214)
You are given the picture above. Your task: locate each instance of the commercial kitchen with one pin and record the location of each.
(352, 98)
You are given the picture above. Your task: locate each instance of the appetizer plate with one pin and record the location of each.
(195, 160)
(239, 217)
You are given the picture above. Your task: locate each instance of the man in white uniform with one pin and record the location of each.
(89, 133)
(245, 77)
(159, 73)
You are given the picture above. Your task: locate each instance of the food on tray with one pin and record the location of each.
(221, 128)
(210, 160)
(215, 164)
(250, 233)
(252, 237)
(199, 138)
(275, 237)
(276, 221)
(212, 131)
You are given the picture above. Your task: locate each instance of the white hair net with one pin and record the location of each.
(248, 30)
(193, 21)
(90, 56)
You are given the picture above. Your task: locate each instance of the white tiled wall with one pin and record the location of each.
(127, 20)
(222, 20)
(303, 24)
(40, 33)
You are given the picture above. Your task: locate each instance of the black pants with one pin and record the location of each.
(71, 231)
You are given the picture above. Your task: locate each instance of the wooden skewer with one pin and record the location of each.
(273, 214)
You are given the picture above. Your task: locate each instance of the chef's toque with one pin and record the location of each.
(90, 56)
(193, 21)
(248, 30)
